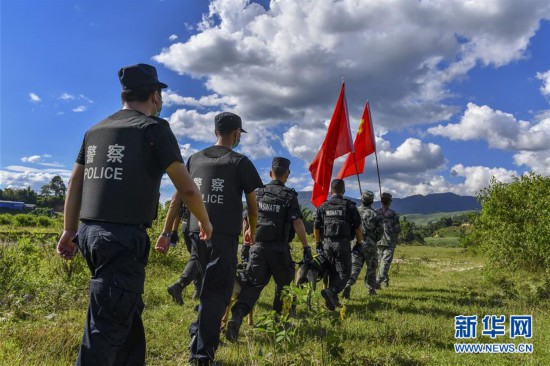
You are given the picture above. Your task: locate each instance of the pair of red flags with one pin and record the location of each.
(337, 143)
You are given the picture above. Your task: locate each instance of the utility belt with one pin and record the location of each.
(100, 222)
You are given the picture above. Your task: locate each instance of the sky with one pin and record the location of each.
(459, 90)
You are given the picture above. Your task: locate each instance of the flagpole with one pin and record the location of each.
(357, 174)
(376, 156)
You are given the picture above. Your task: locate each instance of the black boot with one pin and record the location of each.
(347, 292)
(175, 290)
(233, 326)
(330, 299)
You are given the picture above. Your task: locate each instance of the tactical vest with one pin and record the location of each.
(219, 184)
(369, 223)
(273, 203)
(334, 220)
(118, 185)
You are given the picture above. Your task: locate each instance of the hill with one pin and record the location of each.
(417, 204)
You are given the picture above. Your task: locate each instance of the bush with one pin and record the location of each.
(6, 219)
(23, 220)
(513, 229)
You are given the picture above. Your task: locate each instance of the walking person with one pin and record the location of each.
(278, 211)
(114, 191)
(336, 223)
(386, 245)
(372, 225)
(222, 176)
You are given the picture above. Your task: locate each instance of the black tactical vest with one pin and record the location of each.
(118, 186)
(219, 184)
(334, 220)
(273, 203)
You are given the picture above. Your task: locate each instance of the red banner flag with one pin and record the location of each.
(337, 143)
(364, 145)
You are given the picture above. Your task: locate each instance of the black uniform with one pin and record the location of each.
(222, 176)
(124, 158)
(191, 272)
(338, 219)
(277, 209)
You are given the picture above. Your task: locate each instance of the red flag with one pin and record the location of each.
(337, 143)
(364, 145)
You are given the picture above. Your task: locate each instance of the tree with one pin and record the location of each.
(513, 228)
(56, 187)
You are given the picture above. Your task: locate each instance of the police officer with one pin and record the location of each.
(386, 246)
(336, 223)
(177, 212)
(222, 176)
(278, 210)
(373, 229)
(114, 189)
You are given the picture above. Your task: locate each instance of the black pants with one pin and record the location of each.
(117, 256)
(218, 257)
(339, 257)
(266, 260)
(192, 271)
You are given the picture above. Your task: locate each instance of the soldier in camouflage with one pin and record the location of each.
(373, 228)
(386, 246)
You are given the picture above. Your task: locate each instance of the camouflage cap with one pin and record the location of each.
(367, 197)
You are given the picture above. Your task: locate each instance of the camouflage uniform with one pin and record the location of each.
(373, 229)
(386, 246)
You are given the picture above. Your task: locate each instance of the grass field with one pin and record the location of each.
(409, 323)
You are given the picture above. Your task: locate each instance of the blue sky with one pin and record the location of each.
(459, 91)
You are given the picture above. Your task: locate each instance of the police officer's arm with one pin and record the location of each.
(249, 235)
(65, 247)
(317, 225)
(300, 231)
(191, 196)
(163, 242)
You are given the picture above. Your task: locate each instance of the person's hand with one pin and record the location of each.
(245, 253)
(319, 247)
(66, 248)
(249, 236)
(205, 230)
(356, 248)
(308, 257)
(163, 244)
(174, 238)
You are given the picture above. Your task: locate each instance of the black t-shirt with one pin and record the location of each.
(159, 137)
(222, 176)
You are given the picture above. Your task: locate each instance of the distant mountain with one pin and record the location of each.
(417, 204)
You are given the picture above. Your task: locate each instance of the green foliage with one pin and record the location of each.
(6, 219)
(410, 233)
(26, 195)
(513, 229)
(24, 220)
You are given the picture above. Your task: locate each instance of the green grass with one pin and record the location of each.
(409, 323)
(443, 242)
(420, 219)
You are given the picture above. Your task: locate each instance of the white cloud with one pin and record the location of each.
(537, 161)
(186, 151)
(34, 98)
(35, 158)
(66, 96)
(193, 125)
(80, 108)
(16, 176)
(173, 37)
(402, 55)
(478, 177)
(545, 77)
(171, 98)
(501, 130)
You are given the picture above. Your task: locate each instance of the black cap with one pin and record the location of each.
(386, 196)
(227, 121)
(136, 76)
(279, 161)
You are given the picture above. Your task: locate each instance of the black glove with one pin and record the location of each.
(308, 257)
(245, 253)
(356, 248)
(174, 238)
(319, 247)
